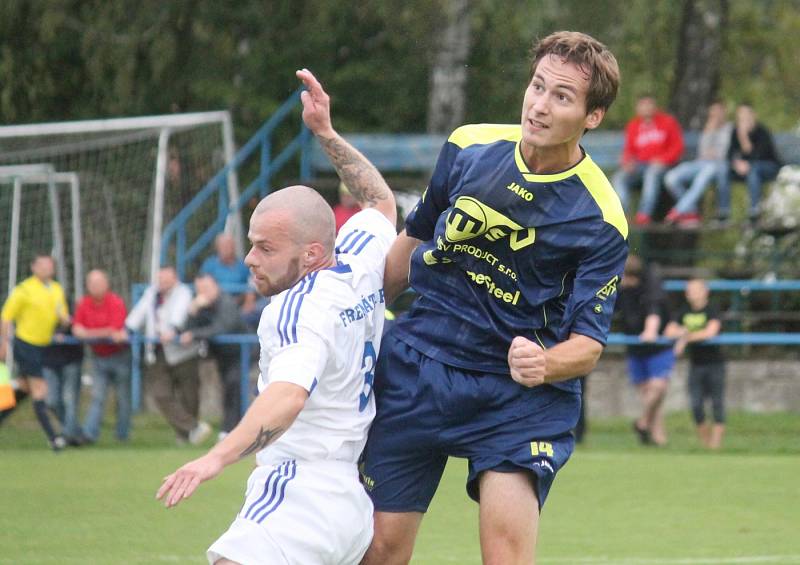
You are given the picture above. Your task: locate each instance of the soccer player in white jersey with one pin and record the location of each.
(319, 340)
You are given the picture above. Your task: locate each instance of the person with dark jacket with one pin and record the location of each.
(752, 158)
(641, 306)
(211, 313)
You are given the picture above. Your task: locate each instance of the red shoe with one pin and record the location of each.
(689, 220)
(642, 219)
(672, 217)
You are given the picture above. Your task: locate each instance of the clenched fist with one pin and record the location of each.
(527, 362)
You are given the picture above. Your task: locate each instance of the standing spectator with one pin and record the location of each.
(346, 208)
(212, 313)
(162, 311)
(101, 314)
(696, 322)
(642, 307)
(61, 365)
(228, 269)
(653, 143)
(688, 181)
(30, 316)
(752, 158)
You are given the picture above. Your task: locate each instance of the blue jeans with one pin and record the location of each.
(64, 394)
(760, 172)
(114, 369)
(649, 176)
(688, 182)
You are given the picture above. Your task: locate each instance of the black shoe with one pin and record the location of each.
(57, 444)
(644, 435)
(78, 441)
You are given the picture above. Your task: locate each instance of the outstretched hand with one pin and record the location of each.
(316, 105)
(183, 482)
(527, 362)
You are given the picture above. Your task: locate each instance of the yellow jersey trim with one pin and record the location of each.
(483, 134)
(604, 194)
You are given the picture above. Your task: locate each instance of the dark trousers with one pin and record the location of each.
(175, 389)
(707, 381)
(230, 371)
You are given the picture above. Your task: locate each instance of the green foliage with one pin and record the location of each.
(74, 59)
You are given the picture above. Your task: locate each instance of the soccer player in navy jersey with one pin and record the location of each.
(515, 251)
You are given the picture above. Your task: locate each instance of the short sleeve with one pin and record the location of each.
(591, 304)
(292, 334)
(421, 221)
(12, 305)
(368, 235)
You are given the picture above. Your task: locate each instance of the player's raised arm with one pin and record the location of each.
(359, 175)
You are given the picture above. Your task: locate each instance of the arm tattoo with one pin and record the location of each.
(264, 438)
(362, 178)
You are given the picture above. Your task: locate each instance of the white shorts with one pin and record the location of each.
(299, 512)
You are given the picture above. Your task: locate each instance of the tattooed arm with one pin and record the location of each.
(270, 414)
(359, 175)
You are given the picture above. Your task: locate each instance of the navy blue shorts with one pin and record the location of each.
(656, 365)
(428, 411)
(28, 358)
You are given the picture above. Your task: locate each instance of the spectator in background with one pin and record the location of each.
(688, 181)
(228, 269)
(346, 208)
(752, 158)
(642, 307)
(61, 365)
(101, 315)
(29, 318)
(162, 311)
(653, 143)
(696, 322)
(212, 313)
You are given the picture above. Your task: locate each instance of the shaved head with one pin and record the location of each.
(308, 217)
(97, 283)
(292, 232)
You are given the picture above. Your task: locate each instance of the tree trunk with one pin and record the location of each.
(448, 79)
(697, 75)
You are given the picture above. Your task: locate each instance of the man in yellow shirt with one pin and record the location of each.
(30, 316)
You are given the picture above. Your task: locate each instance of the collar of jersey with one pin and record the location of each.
(550, 177)
(340, 267)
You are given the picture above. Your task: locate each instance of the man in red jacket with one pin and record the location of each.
(653, 143)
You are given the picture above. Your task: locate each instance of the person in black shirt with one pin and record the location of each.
(752, 158)
(696, 322)
(641, 307)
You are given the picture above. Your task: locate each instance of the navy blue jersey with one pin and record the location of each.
(508, 252)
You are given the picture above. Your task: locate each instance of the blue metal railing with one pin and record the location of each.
(217, 187)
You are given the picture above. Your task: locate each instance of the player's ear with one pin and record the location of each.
(313, 253)
(594, 118)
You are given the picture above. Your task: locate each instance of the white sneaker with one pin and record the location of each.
(200, 433)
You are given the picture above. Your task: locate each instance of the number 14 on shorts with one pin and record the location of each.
(541, 448)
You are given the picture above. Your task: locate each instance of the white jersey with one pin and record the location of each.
(324, 334)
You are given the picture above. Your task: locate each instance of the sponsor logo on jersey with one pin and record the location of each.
(608, 289)
(523, 193)
(359, 311)
(492, 288)
(470, 218)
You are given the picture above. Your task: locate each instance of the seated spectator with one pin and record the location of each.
(689, 180)
(172, 367)
(227, 268)
(696, 322)
(752, 158)
(346, 208)
(61, 365)
(101, 315)
(653, 143)
(211, 313)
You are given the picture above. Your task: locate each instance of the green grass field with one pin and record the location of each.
(615, 502)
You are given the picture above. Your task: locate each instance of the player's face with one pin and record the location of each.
(554, 108)
(274, 259)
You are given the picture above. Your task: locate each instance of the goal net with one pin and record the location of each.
(96, 194)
